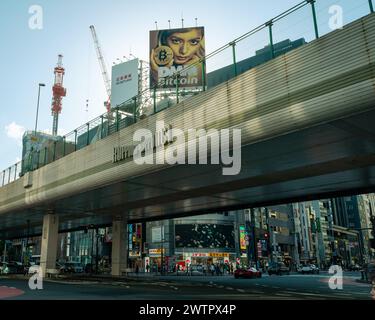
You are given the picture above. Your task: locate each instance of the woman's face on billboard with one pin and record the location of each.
(185, 45)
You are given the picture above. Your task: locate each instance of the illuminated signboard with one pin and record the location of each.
(242, 238)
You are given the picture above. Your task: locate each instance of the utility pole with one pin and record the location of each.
(37, 107)
(97, 250)
(27, 239)
(269, 233)
(5, 250)
(252, 228)
(162, 250)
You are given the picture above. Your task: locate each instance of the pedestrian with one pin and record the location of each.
(147, 268)
(217, 269)
(136, 269)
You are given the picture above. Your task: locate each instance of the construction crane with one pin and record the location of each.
(58, 93)
(107, 82)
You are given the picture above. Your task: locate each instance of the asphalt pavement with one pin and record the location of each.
(286, 287)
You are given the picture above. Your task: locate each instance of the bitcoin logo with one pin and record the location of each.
(163, 55)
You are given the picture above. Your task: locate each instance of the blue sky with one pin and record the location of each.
(28, 56)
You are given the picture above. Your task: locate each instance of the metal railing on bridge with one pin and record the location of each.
(308, 20)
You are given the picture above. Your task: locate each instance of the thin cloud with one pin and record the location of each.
(15, 131)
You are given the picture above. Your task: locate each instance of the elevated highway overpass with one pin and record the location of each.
(307, 121)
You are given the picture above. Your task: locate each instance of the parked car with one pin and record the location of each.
(73, 267)
(196, 270)
(371, 272)
(308, 269)
(314, 268)
(18, 266)
(35, 268)
(35, 259)
(278, 268)
(62, 268)
(9, 268)
(247, 273)
(89, 268)
(354, 267)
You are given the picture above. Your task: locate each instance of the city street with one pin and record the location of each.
(288, 287)
(187, 153)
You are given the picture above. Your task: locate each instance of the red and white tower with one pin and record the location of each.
(58, 93)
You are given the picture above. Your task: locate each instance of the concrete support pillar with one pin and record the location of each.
(49, 242)
(119, 246)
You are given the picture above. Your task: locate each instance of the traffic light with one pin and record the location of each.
(266, 235)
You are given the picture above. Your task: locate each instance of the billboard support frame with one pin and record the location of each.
(204, 74)
(233, 44)
(154, 97)
(177, 88)
(135, 110)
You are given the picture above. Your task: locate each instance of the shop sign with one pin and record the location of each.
(210, 254)
(199, 254)
(155, 252)
(218, 255)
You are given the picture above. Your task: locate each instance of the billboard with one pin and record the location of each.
(176, 50)
(242, 238)
(124, 84)
(156, 234)
(210, 236)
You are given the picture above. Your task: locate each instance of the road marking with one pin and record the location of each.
(229, 288)
(305, 293)
(255, 292)
(241, 290)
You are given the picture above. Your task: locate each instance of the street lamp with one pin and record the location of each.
(162, 250)
(37, 107)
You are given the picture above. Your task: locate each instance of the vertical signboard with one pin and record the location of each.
(177, 50)
(242, 238)
(125, 82)
(156, 234)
